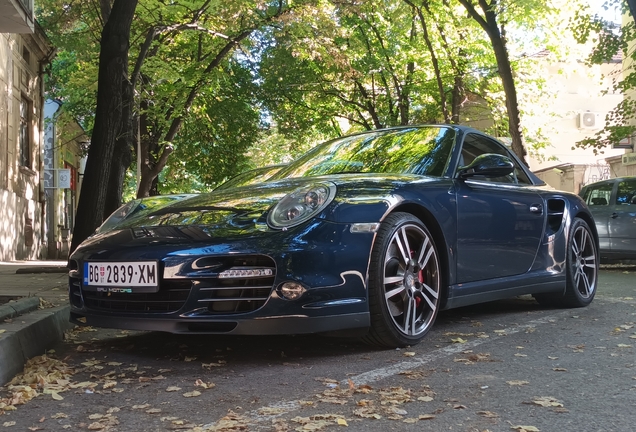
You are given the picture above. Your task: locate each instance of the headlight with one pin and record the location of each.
(301, 205)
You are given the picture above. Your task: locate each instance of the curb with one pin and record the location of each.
(34, 270)
(18, 307)
(30, 335)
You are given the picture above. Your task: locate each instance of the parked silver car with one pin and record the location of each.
(613, 205)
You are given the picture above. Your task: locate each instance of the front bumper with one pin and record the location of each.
(326, 258)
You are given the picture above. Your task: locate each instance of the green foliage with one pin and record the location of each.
(309, 70)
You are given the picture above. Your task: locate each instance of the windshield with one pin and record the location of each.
(416, 150)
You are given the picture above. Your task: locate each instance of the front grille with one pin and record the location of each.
(171, 297)
(74, 289)
(236, 296)
(239, 293)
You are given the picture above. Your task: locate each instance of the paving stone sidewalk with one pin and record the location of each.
(36, 317)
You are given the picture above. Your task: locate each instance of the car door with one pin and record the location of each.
(598, 198)
(622, 219)
(500, 220)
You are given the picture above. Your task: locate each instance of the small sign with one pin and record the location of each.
(629, 159)
(63, 178)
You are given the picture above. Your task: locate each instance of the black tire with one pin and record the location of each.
(581, 275)
(404, 282)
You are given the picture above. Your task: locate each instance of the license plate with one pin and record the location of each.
(128, 277)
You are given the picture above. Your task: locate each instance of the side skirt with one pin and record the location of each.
(498, 289)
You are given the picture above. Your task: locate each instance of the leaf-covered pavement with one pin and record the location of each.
(496, 367)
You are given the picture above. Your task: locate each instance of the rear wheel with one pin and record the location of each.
(404, 282)
(581, 269)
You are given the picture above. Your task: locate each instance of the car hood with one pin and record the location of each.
(242, 211)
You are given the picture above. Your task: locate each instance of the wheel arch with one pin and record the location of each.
(436, 231)
(590, 222)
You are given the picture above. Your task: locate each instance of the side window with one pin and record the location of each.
(476, 145)
(599, 195)
(626, 194)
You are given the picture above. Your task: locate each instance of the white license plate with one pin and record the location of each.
(135, 274)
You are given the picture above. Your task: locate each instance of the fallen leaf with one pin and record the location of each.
(173, 389)
(192, 394)
(140, 407)
(520, 355)
(409, 354)
(95, 416)
(410, 420)
(8, 424)
(153, 411)
(623, 346)
(426, 417)
(458, 340)
(200, 383)
(109, 384)
(559, 369)
(488, 414)
(59, 416)
(425, 399)
(342, 422)
(525, 428)
(2, 331)
(547, 401)
(517, 383)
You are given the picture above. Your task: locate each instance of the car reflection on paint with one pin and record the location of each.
(138, 207)
(372, 234)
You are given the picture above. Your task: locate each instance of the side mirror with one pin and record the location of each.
(487, 165)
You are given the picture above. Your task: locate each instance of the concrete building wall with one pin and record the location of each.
(575, 90)
(22, 224)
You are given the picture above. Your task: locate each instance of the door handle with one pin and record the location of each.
(536, 208)
(614, 215)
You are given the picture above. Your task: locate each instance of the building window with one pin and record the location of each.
(26, 55)
(25, 135)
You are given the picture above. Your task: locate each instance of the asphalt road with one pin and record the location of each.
(508, 365)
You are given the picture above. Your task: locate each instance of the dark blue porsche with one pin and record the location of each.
(374, 232)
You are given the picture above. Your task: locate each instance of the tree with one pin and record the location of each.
(112, 77)
(181, 51)
(489, 18)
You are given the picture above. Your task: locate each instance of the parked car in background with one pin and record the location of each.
(372, 233)
(613, 205)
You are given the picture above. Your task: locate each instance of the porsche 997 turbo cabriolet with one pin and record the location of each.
(372, 233)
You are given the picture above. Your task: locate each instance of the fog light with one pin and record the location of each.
(292, 290)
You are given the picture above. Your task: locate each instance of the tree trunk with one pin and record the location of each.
(512, 105)
(113, 68)
(632, 9)
(498, 41)
(122, 156)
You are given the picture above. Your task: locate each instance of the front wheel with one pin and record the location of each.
(404, 282)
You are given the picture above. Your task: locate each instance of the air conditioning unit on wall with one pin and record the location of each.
(589, 120)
